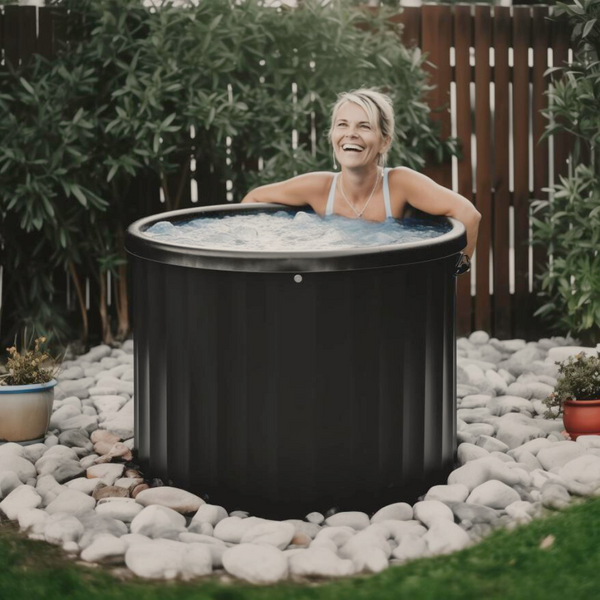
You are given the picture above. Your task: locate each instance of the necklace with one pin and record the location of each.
(358, 214)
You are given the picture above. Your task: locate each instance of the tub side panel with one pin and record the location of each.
(281, 398)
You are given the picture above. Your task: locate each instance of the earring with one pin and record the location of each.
(334, 163)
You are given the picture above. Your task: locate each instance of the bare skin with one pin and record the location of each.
(360, 173)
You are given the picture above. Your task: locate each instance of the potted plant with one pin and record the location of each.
(27, 394)
(577, 395)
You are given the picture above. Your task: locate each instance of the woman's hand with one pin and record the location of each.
(424, 194)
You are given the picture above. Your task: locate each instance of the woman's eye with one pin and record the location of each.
(366, 127)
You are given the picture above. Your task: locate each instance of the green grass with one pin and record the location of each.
(507, 565)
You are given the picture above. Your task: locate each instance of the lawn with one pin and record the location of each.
(506, 565)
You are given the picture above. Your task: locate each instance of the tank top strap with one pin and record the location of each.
(386, 193)
(331, 198)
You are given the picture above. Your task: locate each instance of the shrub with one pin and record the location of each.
(568, 223)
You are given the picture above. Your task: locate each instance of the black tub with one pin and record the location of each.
(287, 383)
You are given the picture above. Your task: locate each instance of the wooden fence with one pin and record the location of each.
(493, 61)
(488, 68)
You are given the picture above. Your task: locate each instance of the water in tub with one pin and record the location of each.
(288, 232)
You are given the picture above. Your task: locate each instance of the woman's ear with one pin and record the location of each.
(387, 143)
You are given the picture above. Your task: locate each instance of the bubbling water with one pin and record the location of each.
(289, 232)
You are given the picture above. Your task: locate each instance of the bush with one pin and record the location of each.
(568, 224)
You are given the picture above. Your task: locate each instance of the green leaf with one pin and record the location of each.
(79, 194)
(588, 27)
(112, 172)
(26, 85)
(215, 22)
(48, 206)
(77, 116)
(168, 120)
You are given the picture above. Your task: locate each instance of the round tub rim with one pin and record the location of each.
(142, 246)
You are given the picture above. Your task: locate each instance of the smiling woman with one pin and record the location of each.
(361, 133)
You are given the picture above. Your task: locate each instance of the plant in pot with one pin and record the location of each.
(577, 395)
(27, 394)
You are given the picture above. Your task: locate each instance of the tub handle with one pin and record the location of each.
(463, 265)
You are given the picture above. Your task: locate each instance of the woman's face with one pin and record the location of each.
(355, 141)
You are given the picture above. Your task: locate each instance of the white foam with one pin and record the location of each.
(288, 232)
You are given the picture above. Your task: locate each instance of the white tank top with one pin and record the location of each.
(386, 194)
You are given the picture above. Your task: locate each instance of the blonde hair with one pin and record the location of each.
(379, 109)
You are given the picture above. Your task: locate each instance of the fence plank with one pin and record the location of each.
(483, 180)
(27, 33)
(521, 39)
(502, 325)
(463, 33)
(436, 40)
(541, 40)
(45, 40)
(11, 35)
(410, 17)
(560, 55)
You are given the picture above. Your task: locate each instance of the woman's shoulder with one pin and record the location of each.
(406, 177)
(314, 181)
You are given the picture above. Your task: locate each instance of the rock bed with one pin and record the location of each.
(80, 490)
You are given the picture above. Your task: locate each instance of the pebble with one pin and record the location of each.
(8, 482)
(62, 529)
(256, 564)
(400, 510)
(474, 513)
(72, 502)
(445, 537)
(493, 494)
(209, 513)
(411, 548)
(457, 492)
(107, 437)
(272, 533)
(153, 520)
(554, 495)
(105, 546)
(123, 509)
(232, 529)
(20, 466)
(75, 437)
(82, 484)
(356, 520)
(171, 497)
(559, 454)
(156, 559)
(317, 517)
(110, 491)
(431, 511)
(108, 473)
(32, 518)
(319, 562)
(20, 499)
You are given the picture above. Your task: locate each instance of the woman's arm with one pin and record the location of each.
(425, 194)
(298, 191)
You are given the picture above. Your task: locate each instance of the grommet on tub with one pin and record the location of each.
(298, 278)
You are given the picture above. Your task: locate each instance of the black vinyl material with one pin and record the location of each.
(282, 397)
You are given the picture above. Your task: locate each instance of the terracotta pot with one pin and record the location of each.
(581, 417)
(25, 412)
